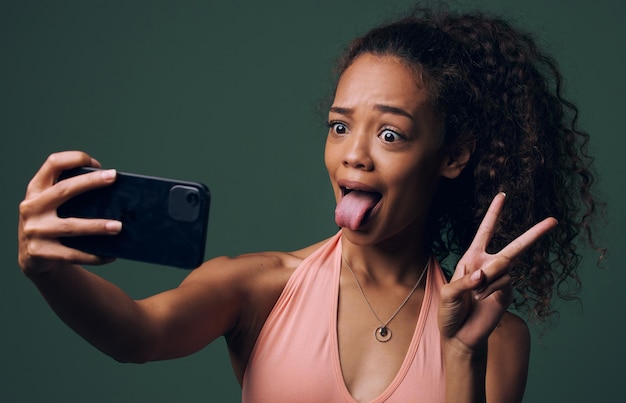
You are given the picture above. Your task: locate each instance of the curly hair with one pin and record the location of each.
(496, 92)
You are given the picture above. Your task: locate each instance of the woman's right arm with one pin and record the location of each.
(167, 325)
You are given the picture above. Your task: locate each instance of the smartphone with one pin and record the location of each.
(164, 221)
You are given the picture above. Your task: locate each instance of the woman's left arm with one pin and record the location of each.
(507, 360)
(485, 362)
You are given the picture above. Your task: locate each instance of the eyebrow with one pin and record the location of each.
(382, 108)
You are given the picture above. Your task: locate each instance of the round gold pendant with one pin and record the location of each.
(382, 334)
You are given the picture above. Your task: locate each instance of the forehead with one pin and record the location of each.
(381, 79)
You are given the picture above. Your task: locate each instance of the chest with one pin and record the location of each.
(318, 344)
(375, 329)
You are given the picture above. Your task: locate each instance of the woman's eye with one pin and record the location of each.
(338, 128)
(390, 136)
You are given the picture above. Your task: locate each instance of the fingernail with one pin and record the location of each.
(476, 275)
(109, 174)
(113, 226)
(503, 194)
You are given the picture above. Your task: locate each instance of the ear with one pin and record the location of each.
(456, 159)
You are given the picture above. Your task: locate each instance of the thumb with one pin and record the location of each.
(455, 301)
(458, 288)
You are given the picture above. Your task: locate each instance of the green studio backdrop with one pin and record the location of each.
(232, 93)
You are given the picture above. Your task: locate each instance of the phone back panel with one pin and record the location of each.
(164, 221)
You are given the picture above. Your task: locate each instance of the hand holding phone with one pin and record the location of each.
(164, 221)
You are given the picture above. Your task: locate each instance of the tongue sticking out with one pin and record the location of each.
(354, 207)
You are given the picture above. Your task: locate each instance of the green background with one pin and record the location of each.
(231, 93)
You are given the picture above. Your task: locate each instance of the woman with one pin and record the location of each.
(432, 117)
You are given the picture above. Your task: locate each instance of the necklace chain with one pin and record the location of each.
(383, 333)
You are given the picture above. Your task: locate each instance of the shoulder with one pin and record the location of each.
(507, 359)
(249, 286)
(249, 283)
(251, 267)
(511, 333)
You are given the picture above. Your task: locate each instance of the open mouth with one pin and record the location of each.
(355, 207)
(375, 196)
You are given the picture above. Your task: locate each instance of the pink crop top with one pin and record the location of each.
(296, 358)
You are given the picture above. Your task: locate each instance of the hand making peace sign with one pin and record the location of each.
(480, 290)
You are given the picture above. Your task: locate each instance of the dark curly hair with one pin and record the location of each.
(497, 92)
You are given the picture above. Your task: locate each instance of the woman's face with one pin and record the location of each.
(383, 151)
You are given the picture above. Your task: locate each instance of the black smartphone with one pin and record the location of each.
(164, 221)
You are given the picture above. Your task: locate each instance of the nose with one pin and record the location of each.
(357, 152)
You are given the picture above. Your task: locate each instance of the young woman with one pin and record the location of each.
(434, 118)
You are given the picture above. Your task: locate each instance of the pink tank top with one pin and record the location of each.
(296, 358)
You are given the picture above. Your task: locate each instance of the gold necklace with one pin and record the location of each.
(382, 332)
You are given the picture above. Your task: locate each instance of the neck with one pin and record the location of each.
(399, 259)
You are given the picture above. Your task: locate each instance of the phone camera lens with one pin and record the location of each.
(193, 199)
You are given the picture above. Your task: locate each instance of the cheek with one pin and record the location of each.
(330, 157)
(330, 160)
(327, 160)
(416, 179)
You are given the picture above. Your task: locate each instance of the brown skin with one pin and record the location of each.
(233, 296)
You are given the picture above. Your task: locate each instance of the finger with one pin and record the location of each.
(503, 283)
(521, 243)
(488, 225)
(456, 289)
(55, 164)
(73, 227)
(460, 271)
(501, 262)
(57, 252)
(499, 266)
(40, 238)
(54, 196)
